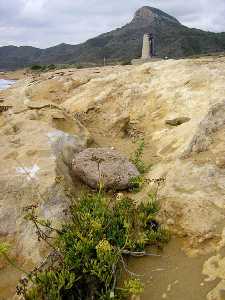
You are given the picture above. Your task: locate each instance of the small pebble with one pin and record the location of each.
(164, 296)
(170, 222)
(169, 288)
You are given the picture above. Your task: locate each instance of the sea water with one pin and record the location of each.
(4, 84)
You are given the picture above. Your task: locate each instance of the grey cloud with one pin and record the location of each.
(45, 23)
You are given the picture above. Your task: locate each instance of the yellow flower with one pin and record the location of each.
(134, 286)
(4, 248)
(96, 225)
(103, 247)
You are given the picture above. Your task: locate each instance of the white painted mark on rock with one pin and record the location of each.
(53, 136)
(30, 172)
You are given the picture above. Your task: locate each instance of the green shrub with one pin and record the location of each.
(90, 246)
(51, 67)
(136, 183)
(37, 68)
(134, 286)
(79, 66)
(42, 68)
(137, 160)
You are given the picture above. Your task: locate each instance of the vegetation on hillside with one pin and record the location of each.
(172, 40)
(42, 68)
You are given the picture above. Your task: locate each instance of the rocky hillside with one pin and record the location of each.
(123, 44)
(177, 106)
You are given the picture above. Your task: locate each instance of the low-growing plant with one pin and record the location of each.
(51, 67)
(136, 183)
(100, 230)
(134, 286)
(80, 66)
(137, 158)
(38, 68)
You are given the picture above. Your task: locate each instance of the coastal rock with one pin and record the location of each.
(214, 270)
(118, 105)
(35, 168)
(212, 122)
(29, 169)
(191, 156)
(105, 165)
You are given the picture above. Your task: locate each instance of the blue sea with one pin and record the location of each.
(4, 84)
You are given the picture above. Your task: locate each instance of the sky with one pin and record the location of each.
(45, 23)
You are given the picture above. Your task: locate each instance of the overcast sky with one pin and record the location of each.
(44, 23)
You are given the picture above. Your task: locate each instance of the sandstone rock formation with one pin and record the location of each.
(35, 158)
(214, 270)
(189, 155)
(117, 106)
(105, 166)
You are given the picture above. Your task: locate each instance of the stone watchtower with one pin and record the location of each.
(146, 47)
(148, 50)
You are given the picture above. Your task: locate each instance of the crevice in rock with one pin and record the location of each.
(177, 121)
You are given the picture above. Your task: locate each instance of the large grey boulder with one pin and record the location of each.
(114, 169)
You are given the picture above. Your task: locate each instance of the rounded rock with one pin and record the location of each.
(106, 165)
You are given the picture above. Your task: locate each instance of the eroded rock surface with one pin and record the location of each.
(214, 269)
(119, 105)
(35, 167)
(188, 93)
(212, 123)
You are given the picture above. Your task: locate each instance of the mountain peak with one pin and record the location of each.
(150, 14)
